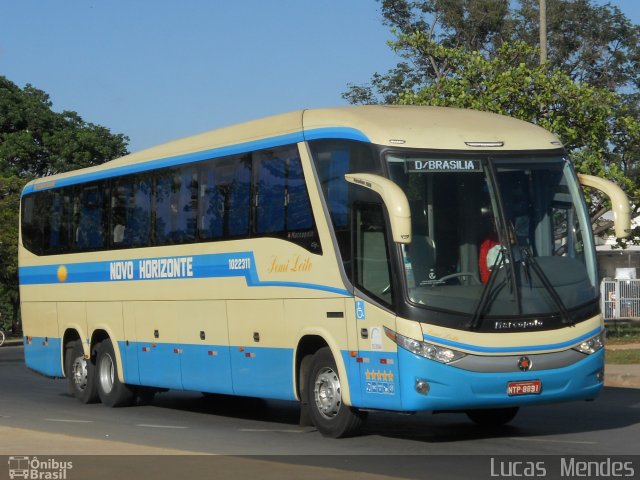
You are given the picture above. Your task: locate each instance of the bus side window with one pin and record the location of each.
(211, 201)
(175, 206)
(237, 208)
(57, 216)
(282, 206)
(332, 159)
(131, 211)
(90, 217)
(371, 255)
(270, 192)
(224, 198)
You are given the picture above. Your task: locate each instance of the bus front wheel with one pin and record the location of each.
(80, 373)
(492, 417)
(328, 413)
(112, 392)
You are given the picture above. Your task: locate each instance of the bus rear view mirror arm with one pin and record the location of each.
(619, 202)
(394, 199)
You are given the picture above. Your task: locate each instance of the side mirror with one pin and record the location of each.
(394, 200)
(619, 202)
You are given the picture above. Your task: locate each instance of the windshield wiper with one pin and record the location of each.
(505, 232)
(529, 260)
(499, 262)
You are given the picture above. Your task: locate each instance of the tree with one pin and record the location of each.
(36, 141)
(10, 189)
(593, 44)
(482, 54)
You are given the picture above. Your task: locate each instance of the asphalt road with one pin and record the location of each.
(250, 427)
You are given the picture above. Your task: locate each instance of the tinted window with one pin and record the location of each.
(270, 192)
(225, 194)
(176, 200)
(262, 193)
(131, 211)
(238, 194)
(91, 214)
(332, 159)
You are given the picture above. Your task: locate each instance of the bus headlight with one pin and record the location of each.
(424, 349)
(591, 345)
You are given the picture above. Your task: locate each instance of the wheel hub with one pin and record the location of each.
(327, 392)
(80, 375)
(106, 373)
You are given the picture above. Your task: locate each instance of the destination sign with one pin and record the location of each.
(435, 165)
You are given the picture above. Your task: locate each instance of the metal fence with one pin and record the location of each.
(620, 299)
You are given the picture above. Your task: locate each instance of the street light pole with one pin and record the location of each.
(543, 32)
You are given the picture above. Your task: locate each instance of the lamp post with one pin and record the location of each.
(543, 32)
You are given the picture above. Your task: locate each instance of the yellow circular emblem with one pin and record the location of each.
(62, 273)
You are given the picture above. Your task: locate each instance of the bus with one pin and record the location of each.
(351, 259)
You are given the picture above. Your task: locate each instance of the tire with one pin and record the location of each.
(323, 395)
(145, 395)
(492, 417)
(80, 373)
(112, 392)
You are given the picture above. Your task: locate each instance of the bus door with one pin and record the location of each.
(261, 357)
(377, 355)
(204, 338)
(157, 332)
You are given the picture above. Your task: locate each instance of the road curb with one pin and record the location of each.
(626, 376)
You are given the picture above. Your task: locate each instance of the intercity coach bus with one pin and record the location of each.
(352, 259)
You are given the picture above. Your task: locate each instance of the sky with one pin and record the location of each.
(157, 70)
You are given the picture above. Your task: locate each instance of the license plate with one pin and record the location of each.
(532, 387)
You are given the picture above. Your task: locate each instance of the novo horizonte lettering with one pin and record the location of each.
(174, 267)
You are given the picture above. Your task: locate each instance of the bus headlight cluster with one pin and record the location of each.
(591, 345)
(424, 349)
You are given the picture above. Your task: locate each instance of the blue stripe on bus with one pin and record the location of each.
(526, 348)
(313, 134)
(335, 132)
(44, 355)
(219, 265)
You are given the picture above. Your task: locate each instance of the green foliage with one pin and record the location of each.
(483, 55)
(594, 44)
(10, 189)
(623, 333)
(36, 141)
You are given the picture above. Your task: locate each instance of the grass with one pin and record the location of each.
(622, 357)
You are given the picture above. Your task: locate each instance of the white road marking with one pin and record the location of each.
(270, 430)
(547, 440)
(148, 425)
(67, 420)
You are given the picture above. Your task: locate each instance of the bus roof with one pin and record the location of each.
(437, 128)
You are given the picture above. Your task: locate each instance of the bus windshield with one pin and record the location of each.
(520, 220)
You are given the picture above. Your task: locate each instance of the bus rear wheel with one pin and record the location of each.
(112, 392)
(80, 373)
(492, 417)
(328, 413)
